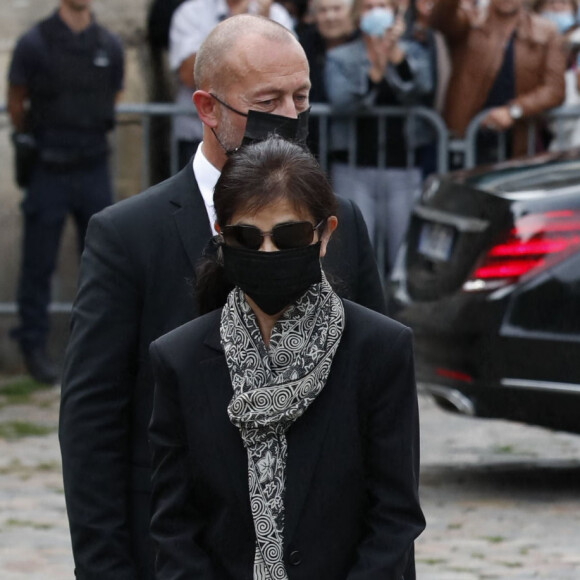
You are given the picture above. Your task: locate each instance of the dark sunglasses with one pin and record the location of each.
(287, 236)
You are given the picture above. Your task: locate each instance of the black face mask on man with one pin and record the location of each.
(273, 280)
(260, 126)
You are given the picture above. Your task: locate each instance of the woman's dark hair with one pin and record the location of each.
(269, 170)
(253, 177)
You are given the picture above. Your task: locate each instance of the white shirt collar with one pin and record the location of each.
(206, 176)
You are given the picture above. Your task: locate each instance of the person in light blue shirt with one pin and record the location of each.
(378, 68)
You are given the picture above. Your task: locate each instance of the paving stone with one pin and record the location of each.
(501, 499)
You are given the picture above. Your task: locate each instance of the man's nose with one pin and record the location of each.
(287, 108)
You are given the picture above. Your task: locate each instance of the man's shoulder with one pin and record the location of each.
(348, 211)
(151, 204)
(344, 204)
(112, 39)
(191, 335)
(31, 40)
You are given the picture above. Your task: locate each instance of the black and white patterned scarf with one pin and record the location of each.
(273, 386)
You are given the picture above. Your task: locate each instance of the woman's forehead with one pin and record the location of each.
(278, 210)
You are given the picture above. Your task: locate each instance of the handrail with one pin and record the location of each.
(445, 143)
(469, 143)
(323, 112)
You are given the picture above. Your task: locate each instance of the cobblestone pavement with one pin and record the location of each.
(34, 540)
(501, 499)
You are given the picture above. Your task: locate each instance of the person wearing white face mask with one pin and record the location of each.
(561, 12)
(379, 68)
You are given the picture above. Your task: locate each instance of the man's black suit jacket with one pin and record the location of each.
(351, 501)
(136, 284)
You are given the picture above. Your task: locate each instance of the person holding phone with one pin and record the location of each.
(378, 68)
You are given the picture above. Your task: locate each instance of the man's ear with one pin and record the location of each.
(206, 108)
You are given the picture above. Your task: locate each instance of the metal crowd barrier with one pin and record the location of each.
(323, 113)
(445, 143)
(143, 113)
(556, 117)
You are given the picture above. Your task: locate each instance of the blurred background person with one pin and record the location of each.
(160, 85)
(64, 78)
(510, 61)
(300, 11)
(377, 68)
(333, 25)
(563, 13)
(192, 21)
(436, 52)
(433, 42)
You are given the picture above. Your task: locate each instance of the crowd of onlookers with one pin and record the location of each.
(404, 52)
(513, 58)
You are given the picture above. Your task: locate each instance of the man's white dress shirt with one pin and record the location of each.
(206, 176)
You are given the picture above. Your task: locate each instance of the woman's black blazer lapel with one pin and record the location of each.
(306, 437)
(215, 378)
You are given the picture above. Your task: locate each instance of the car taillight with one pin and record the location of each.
(453, 374)
(536, 242)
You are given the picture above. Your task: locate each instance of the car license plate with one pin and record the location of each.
(436, 241)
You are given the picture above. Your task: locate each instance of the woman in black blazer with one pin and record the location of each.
(284, 433)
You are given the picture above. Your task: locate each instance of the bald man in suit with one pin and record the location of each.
(136, 284)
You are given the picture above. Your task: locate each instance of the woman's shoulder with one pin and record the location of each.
(365, 324)
(376, 349)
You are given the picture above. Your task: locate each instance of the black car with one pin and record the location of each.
(489, 280)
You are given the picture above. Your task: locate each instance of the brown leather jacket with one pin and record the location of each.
(477, 55)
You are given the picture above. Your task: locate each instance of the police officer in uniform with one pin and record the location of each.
(65, 76)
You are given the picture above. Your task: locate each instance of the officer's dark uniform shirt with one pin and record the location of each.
(72, 79)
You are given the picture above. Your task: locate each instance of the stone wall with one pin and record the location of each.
(126, 18)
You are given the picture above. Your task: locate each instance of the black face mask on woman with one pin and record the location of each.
(273, 280)
(260, 125)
